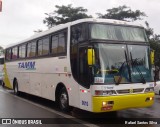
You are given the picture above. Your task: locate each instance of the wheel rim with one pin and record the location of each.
(63, 100)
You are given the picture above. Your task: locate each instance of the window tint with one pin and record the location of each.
(43, 46)
(8, 54)
(22, 51)
(59, 42)
(14, 53)
(40, 43)
(55, 44)
(79, 33)
(31, 49)
(61, 47)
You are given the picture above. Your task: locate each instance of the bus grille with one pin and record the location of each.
(130, 91)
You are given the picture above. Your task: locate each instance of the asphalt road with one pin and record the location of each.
(27, 107)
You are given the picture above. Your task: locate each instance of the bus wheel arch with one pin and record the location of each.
(62, 98)
(15, 86)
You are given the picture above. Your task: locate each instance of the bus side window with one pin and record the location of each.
(8, 54)
(40, 46)
(45, 48)
(54, 44)
(22, 51)
(62, 43)
(14, 53)
(31, 49)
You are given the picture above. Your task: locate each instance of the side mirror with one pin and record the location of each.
(152, 57)
(91, 56)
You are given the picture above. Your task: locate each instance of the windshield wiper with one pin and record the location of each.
(121, 69)
(134, 63)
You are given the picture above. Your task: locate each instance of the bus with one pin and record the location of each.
(97, 65)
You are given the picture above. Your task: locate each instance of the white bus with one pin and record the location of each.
(98, 65)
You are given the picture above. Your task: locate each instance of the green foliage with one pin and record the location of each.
(122, 13)
(156, 47)
(65, 14)
(1, 50)
(154, 41)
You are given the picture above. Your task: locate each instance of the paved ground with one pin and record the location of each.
(27, 106)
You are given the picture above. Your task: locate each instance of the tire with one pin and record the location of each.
(159, 92)
(16, 91)
(63, 100)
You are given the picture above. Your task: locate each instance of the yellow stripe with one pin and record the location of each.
(122, 102)
(6, 79)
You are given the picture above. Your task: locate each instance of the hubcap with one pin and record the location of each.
(16, 88)
(63, 99)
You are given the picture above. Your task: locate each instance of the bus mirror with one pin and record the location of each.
(152, 56)
(91, 56)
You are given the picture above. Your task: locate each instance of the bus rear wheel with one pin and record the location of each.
(64, 100)
(16, 91)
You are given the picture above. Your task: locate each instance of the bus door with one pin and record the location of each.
(83, 79)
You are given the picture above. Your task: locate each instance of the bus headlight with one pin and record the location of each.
(149, 99)
(107, 105)
(150, 89)
(106, 92)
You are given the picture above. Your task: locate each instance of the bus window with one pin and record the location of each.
(14, 53)
(22, 51)
(78, 33)
(8, 54)
(61, 46)
(40, 46)
(31, 49)
(43, 46)
(54, 44)
(45, 49)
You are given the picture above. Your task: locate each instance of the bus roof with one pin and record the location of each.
(62, 26)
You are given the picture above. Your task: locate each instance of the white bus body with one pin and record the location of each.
(46, 75)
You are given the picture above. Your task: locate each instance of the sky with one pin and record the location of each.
(20, 18)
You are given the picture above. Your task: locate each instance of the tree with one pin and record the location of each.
(149, 31)
(65, 14)
(1, 50)
(122, 13)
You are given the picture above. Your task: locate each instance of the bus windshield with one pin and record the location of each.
(115, 32)
(119, 63)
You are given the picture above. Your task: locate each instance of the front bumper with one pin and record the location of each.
(122, 102)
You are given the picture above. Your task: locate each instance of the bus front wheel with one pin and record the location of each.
(64, 100)
(16, 91)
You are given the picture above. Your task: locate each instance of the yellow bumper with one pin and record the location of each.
(122, 102)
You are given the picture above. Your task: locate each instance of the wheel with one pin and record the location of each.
(16, 91)
(64, 100)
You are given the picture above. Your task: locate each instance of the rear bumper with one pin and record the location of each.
(122, 102)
